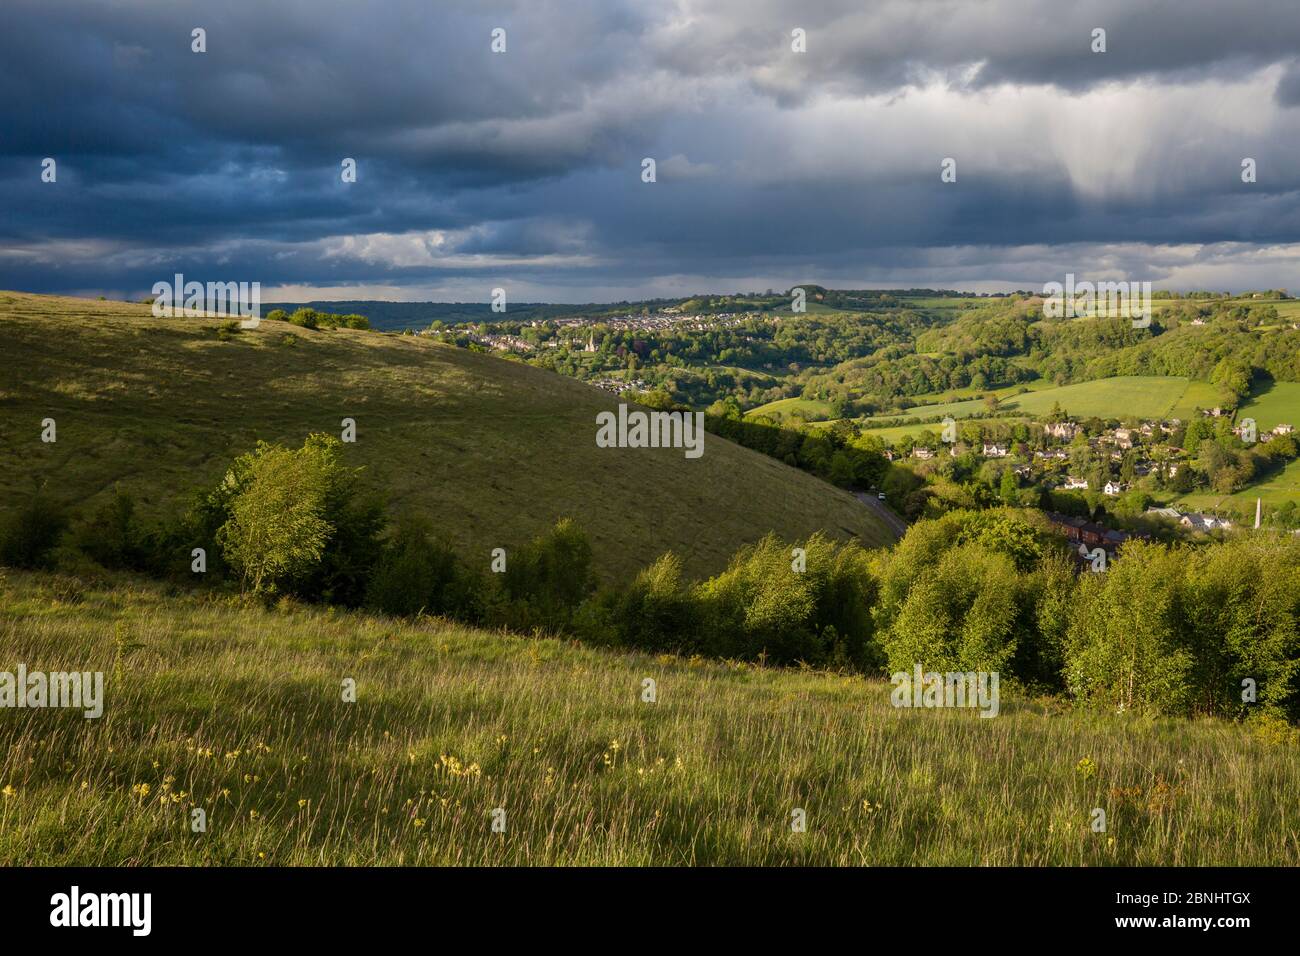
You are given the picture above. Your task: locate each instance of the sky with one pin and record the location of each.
(524, 169)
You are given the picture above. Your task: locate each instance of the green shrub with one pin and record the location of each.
(546, 580)
(762, 607)
(418, 575)
(296, 522)
(1125, 648)
(656, 612)
(30, 533)
(968, 612)
(112, 536)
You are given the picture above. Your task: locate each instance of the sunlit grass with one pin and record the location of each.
(239, 710)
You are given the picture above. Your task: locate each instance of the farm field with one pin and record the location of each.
(1287, 309)
(810, 409)
(1279, 488)
(237, 710)
(967, 394)
(1138, 396)
(1279, 403)
(895, 432)
(1149, 396)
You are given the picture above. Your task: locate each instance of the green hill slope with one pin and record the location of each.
(493, 451)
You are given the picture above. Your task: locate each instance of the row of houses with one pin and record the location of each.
(1192, 520)
(1089, 535)
(619, 386)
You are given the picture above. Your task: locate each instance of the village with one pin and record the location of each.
(1101, 459)
(554, 333)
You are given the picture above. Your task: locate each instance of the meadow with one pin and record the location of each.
(1279, 402)
(1122, 397)
(237, 709)
(893, 433)
(809, 409)
(1274, 490)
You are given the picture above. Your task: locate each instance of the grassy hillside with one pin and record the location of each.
(1278, 403)
(1130, 396)
(1278, 488)
(495, 451)
(809, 409)
(238, 710)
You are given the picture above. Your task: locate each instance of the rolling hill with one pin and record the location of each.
(493, 451)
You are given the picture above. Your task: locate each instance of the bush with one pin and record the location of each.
(655, 613)
(761, 607)
(418, 575)
(112, 536)
(546, 580)
(969, 612)
(295, 522)
(1125, 648)
(29, 535)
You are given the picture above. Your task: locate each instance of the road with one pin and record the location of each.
(892, 521)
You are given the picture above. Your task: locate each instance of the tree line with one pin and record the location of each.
(1168, 629)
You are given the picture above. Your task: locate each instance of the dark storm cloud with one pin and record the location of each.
(475, 167)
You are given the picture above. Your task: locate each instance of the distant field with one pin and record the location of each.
(237, 710)
(1149, 396)
(964, 394)
(1136, 396)
(1281, 487)
(894, 433)
(1286, 308)
(1280, 403)
(811, 410)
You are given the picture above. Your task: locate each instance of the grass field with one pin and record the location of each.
(1287, 309)
(809, 409)
(1272, 406)
(1278, 488)
(493, 451)
(1135, 396)
(1276, 404)
(238, 711)
(895, 432)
